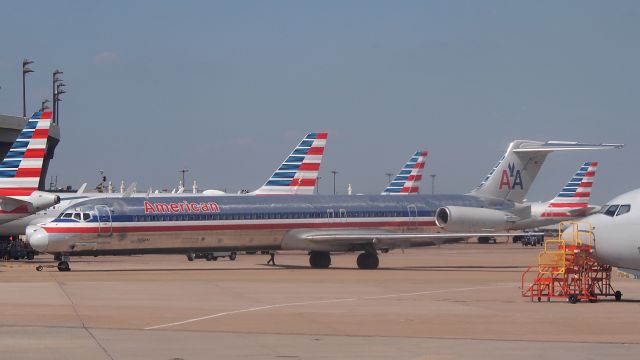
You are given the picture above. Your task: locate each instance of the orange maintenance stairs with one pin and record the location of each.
(566, 269)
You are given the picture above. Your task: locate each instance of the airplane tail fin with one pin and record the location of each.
(513, 175)
(298, 174)
(408, 179)
(574, 196)
(22, 166)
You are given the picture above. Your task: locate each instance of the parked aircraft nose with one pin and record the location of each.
(38, 239)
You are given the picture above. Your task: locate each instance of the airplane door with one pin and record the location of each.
(413, 216)
(343, 215)
(104, 220)
(330, 215)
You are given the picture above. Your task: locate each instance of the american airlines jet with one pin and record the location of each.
(408, 179)
(615, 229)
(20, 172)
(318, 224)
(571, 203)
(297, 175)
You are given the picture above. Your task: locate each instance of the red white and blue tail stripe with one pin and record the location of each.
(408, 179)
(22, 166)
(298, 174)
(574, 197)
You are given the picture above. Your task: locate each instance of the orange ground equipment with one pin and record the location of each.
(566, 268)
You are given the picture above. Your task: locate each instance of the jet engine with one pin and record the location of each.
(40, 200)
(470, 219)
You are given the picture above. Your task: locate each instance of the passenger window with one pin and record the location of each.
(611, 210)
(623, 209)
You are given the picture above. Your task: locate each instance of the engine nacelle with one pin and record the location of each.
(470, 219)
(41, 200)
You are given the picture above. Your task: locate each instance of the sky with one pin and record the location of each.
(226, 89)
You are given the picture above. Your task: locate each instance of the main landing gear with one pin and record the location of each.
(368, 260)
(319, 259)
(322, 260)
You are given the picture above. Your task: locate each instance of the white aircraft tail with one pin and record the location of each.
(298, 174)
(408, 179)
(513, 175)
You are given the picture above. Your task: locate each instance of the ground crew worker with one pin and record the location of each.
(272, 258)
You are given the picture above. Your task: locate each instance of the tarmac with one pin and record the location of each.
(459, 301)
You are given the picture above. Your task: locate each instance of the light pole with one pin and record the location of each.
(44, 105)
(59, 91)
(55, 93)
(318, 184)
(389, 176)
(25, 71)
(334, 172)
(183, 171)
(433, 183)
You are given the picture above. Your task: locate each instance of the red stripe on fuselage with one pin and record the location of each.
(568, 205)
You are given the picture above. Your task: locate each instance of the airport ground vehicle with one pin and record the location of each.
(212, 256)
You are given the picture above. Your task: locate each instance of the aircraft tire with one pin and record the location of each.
(319, 259)
(368, 261)
(233, 256)
(618, 295)
(573, 299)
(64, 266)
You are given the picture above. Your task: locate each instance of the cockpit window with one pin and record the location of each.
(86, 216)
(67, 215)
(611, 210)
(623, 209)
(76, 216)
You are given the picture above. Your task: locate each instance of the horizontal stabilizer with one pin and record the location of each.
(564, 146)
(512, 177)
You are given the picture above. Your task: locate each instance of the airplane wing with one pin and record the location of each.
(345, 240)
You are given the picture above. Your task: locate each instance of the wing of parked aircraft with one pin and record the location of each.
(360, 239)
(408, 179)
(298, 174)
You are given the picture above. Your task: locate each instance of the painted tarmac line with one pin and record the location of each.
(324, 302)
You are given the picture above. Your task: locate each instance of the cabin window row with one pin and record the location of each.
(269, 216)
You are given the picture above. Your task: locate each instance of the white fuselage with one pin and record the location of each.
(617, 237)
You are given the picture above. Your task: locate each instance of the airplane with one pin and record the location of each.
(296, 175)
(571, 203)
(408, 179)
(20, 171)
(318, 224)
(615, 228)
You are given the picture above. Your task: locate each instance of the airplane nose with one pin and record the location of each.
(38, 239)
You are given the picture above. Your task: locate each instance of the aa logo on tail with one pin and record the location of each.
(511, 178)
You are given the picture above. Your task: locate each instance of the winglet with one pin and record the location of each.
(298, 174)
(408, 179)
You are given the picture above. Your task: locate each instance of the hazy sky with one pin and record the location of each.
(227, 88)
